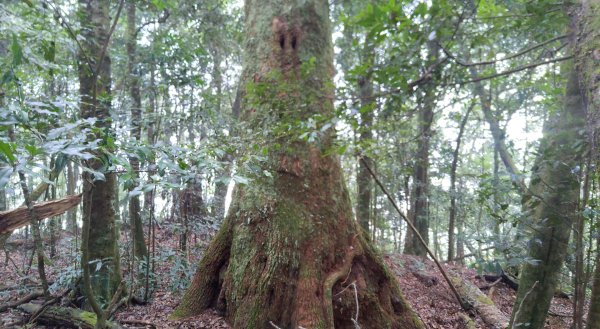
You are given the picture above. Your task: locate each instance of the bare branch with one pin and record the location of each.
(520, 53)
(518, 69)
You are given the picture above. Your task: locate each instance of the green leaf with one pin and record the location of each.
(49, 49)
(8, 149)
(182, 164)
(33, 150)
(97, 174)
(421, 10)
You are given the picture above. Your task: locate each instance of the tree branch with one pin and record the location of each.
(518, 69)
(463, 303)
(520, 53)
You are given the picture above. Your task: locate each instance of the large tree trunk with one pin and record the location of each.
(290, 254)
(589, 70)
(98, 195)
(553, 206)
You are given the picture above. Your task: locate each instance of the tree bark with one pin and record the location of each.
(421, 175)
(290, 253)
(454, 166)
(589, 73)
(555, 193)
(71, 213)
(364, 181)
(486, 308)
(135, 218)
(98, 195)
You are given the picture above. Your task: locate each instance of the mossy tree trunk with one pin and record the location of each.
(589, 68)
(290, 253)
(553, 205)
(98, 195)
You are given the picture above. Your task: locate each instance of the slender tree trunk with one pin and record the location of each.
(135, 217)
(495, 186)
(3, 237)
(100, 249)
(579, 229)
(290, 253)
(54, 225)
(222, 183)
(37, 237)
(71, 186)
(364, 181)
(498, 134)
(453, 168)
(421, 174)
(460, 231)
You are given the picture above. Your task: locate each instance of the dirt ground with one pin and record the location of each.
(427, 293)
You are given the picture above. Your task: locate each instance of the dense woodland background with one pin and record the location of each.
(478, 117)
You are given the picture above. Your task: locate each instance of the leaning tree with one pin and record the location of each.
(290, 253)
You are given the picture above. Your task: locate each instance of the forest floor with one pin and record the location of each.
(421, 282)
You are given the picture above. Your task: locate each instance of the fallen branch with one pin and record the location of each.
(13, 219)
(64, 317)
(484, 306)
(26, 299)
(489, 286)
(513, 283)
(505, 278)
(22, 286)
(139, 322)
(424, 278)
(463, 303)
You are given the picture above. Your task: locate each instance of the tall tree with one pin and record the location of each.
(135, 218)
(553, 206)
(453, 191)
(99, 243)
(290, 243)
(588, 66)
(420, 211)
(364, 181)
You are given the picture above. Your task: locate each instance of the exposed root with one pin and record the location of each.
(334, 277)
(206, 285)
